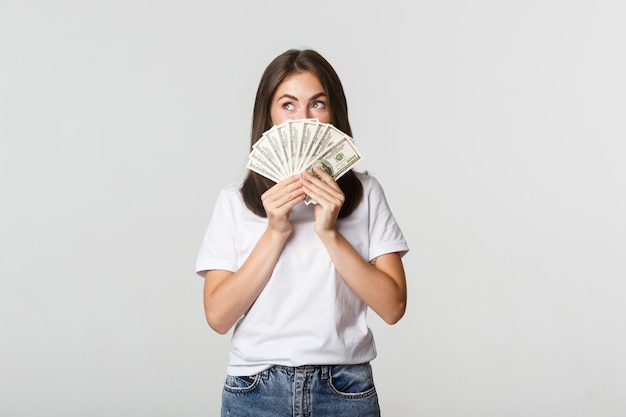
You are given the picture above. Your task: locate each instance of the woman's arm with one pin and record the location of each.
(228, 295)
(381, 284)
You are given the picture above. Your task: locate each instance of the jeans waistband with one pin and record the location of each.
(324, 370)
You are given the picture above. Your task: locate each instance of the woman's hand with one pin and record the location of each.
(324, 189)
(279, 200)
(228, 295)
(380, 284)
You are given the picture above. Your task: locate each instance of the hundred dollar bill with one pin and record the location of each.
(287, 145)
(296, 130)
(311, 130)
(264, 155)
(279, 138)
(317, 144)
(263, 169)
(272, 138)
(327, 137)
(295, 145)
(336, 161)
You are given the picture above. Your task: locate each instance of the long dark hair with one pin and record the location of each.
(290, 62)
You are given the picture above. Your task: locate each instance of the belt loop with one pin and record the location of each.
(325, 371)
(265, 374)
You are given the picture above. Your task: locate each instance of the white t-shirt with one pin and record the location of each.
(306, 314)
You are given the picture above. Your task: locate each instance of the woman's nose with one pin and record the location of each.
(302, 114)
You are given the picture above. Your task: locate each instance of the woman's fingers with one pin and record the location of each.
(283, 193)
(279, 200)
(322, 187)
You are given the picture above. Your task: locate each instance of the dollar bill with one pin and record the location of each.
(311, 130)
(297, 145)
(263, 169)
(336, 161)
(264, 155)
(287, 144)
(277, 146)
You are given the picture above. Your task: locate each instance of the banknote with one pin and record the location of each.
(311, 130)
(263, 155)
(295, 146)
(336, 160)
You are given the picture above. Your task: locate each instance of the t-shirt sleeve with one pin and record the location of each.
(218, 249)
(385, 234)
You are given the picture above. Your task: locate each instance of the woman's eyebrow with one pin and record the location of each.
(287, 96)
(318, 95)
(294, 98)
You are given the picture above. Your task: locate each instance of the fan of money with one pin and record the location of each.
(295, 146)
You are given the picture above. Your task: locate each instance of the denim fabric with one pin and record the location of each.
(305, 391)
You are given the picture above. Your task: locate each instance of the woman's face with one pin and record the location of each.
(300, 96)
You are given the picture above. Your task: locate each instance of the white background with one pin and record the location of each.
(496, 127)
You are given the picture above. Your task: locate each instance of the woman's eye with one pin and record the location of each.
(288, 106)
(318, 105)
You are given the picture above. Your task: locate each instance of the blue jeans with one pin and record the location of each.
(305, 391)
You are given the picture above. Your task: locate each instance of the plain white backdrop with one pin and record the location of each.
(496, 128)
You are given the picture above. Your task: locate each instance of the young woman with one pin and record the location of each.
(296, 280)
